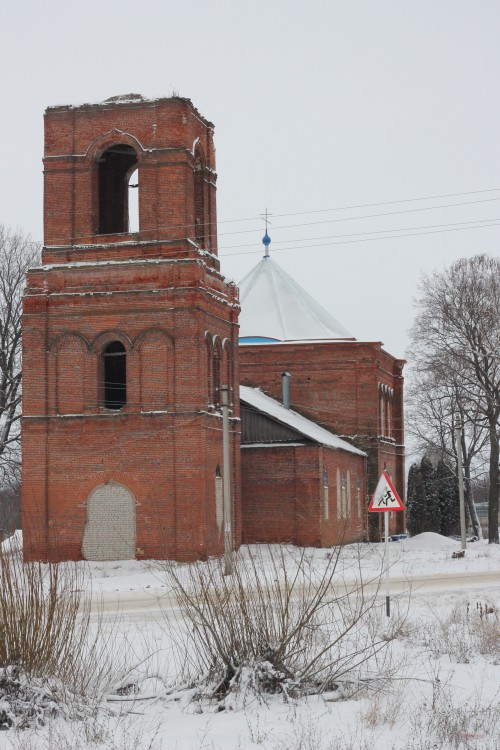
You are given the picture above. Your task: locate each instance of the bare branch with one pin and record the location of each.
(17, 254)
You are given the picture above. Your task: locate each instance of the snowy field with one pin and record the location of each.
(435, 685)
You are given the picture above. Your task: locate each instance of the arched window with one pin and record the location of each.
(339, 496)
(115, 166)
(216, 367)
(382, 413)
(325, 495)
(344, 497)
(199, 196)
(114, 376)
(210, 368)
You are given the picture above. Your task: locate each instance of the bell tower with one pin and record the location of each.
(129, 331)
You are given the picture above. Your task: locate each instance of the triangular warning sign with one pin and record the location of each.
(385, 497)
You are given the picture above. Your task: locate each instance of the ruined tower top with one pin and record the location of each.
(102, 159)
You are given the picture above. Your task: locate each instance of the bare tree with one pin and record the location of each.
(435, 409)
(456, 336)
(10, 510)
(17, 253)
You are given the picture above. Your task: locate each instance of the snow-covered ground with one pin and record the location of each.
(443, 690)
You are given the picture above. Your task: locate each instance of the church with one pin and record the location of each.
(131, 336)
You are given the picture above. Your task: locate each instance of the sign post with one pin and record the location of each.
(384, 500)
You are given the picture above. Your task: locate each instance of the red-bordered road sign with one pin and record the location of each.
(385, 497)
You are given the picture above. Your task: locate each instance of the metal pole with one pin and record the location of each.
(458, 439)
(386, 557)
(228, 537)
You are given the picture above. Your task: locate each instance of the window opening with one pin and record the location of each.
(325, 491)
(344, 497)
(216, 378)
(348, 494)
(339, 496)
(115, 166)
(114, 376)
(133, 202)
(358, 491)
(210, 374)
(199, 198)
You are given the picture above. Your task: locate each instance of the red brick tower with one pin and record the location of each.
(127, 338)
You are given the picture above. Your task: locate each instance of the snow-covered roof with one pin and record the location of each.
(274, 306)
(266, 405)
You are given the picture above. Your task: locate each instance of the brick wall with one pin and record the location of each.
(337, 385)
(283, 495)
(347, 498)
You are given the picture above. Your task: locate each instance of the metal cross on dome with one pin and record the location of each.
(266, 240)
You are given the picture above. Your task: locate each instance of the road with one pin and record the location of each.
(156, 599)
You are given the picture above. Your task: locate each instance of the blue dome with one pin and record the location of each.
(266, 240)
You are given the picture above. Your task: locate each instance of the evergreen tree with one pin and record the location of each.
(425, 510)
(447, 490)
(415, 501)
(410, 497)
(432, 511)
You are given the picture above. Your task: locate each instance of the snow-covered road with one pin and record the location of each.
(154, 599)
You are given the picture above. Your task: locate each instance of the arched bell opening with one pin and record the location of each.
(115, 167)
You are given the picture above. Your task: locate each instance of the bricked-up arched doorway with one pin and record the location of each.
(109, 533)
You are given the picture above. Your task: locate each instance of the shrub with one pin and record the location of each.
(467, 630)
(278, 624)
(47, 659)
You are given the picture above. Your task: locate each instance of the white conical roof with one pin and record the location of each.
(274, 306)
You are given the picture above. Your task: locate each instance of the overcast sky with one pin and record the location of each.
(317, 106)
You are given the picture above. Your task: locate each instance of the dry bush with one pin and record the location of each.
(52, 661)
(278, 624)
(93, 733)
(313, 733)
(384, 705)
(453, 725)
(43, 615)
(468, 630)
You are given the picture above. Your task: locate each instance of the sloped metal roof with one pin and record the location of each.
(274, 306)
(266, 405)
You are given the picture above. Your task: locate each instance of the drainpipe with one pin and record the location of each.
(285, 382)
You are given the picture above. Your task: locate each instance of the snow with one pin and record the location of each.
(430, 691)
(12, 542)
(275, 306)
(431, 540)
(267, 405)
